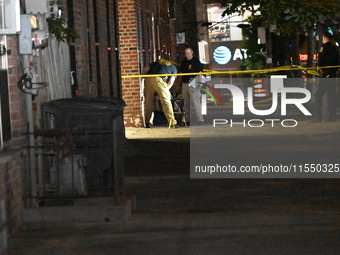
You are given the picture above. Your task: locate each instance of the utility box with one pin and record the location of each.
(94, 129)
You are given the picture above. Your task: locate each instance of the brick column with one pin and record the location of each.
(173, 45)
(129, 62)
(16, 97)
(12, 158)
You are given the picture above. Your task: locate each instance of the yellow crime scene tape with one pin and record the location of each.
(309, 70)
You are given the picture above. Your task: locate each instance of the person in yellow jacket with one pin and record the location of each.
(160, 85)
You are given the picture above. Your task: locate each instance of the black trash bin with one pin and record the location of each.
(94, 129)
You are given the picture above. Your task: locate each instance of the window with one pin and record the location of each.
(9, 16)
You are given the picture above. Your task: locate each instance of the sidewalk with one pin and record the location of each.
(173, 214)
(181, 216)
(157, 132)
(304, 127)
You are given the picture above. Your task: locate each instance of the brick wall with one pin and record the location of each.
(12, 156)
(129, 62)
(12, 165)
(173, 48)
(95, 55)
(16, 97)
(144, 34)
(84, 75)
(96, 63)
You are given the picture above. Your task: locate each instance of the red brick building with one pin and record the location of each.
(86, 66)
(145, 36)
(12, 157)
(114, 38)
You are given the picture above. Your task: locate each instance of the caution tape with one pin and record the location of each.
(310, 70)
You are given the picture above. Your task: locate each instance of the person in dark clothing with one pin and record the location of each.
(160, 85)
(191, 64)
(328, 56)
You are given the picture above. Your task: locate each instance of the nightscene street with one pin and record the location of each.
(169, 127)
(175, 214)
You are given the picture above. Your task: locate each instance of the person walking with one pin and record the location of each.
(160, 85)
(191, 96)
(328, 56)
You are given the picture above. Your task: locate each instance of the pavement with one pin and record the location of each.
(175, 214)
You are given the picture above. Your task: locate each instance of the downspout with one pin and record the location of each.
(73, 62)
(31, 141)
(1, 133)
(117, 49)
(96, 36)
(1, 136)
(158, 31)
(109, 48)
(25, 50)
(89, 42)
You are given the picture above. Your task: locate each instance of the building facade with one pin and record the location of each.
(144, 28)
(46, 67)
(100, 40)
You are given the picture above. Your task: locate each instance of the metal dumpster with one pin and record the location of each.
(91, 128)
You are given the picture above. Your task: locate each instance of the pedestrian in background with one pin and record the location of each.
(191, 96)
(160, 85)
(328, 56)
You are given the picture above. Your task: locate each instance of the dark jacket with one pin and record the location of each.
(158, 68)
(328, 56)
(190, 66)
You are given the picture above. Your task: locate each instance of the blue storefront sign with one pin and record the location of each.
(226, 55)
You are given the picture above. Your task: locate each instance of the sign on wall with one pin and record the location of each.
(226, 55)
(180, 38)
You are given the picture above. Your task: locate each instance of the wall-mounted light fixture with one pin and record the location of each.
(34, 23)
